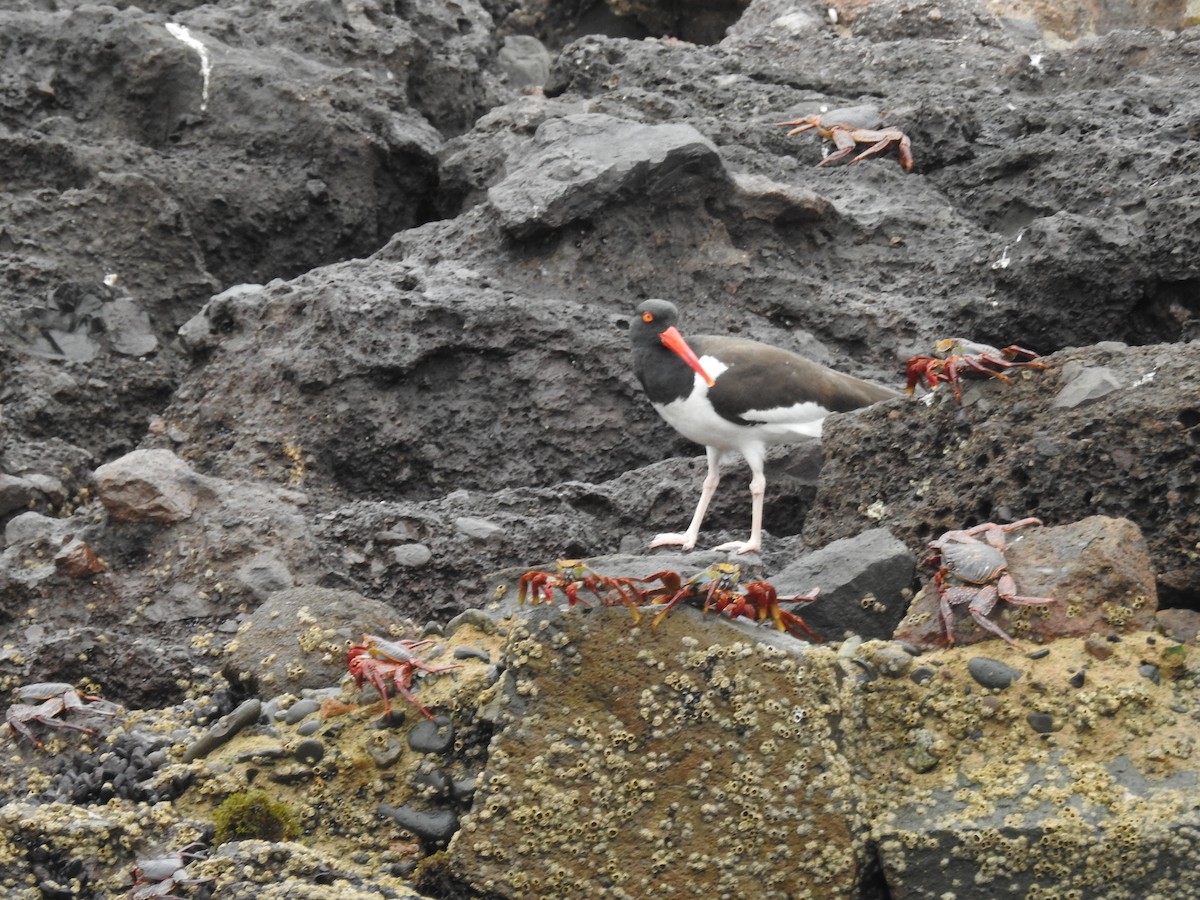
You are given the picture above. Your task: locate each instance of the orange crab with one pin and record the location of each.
(854, 125)
(377, 660)
(720, 587)
(955, 357)
(573, 575)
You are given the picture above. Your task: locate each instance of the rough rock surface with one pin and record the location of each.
(324, 300)
(667, 721)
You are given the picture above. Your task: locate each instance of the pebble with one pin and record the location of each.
(385, 756)
(850, 647)
(919, 757)
(411, 556)
(475, 617)
(922, 674)
(436, 736)
(270, 709)
(261, 753)
(1150, 671)
(435, 780)
(394, 718)
(464, 788)
(1042, 723)
(479, 529)
(291, 774)
(225, 728)
(892, 659)
(869, 672)
(309, 728)
(991, 673)
(1098, 648)
(310, 751)
(299, 710)
(436, 825)
(465, 652)
(1077, 679)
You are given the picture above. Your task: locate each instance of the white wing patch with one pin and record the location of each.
(713, 366)
(798, 415)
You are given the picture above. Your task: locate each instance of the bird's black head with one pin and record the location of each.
(652, 330)
(650, 320)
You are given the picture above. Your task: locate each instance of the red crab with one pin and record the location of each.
(720, 587)
(954, 357)
(974, 572)
(855, 125)
(573, 575)
(377, 660)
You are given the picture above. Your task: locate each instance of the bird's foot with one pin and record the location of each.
(741, 546)
(684, 541)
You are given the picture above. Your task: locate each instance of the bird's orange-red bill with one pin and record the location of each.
(674, 341)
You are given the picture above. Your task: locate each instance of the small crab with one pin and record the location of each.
(52, 699)
(974, 571)
(955, 357)
(723, 593)
(376, 660)
(156, 879)
(855, 125)
(573, 575)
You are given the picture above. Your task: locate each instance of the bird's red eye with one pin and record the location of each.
(647, 317)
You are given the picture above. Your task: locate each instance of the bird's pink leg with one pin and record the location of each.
(758, 487)
(687, 540)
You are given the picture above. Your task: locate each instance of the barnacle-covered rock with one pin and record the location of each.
(699, 752)
(730, 759)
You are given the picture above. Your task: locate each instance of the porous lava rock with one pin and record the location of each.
(864, 585)
(1125, 448)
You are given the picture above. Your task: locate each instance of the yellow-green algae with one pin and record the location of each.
(254, 815)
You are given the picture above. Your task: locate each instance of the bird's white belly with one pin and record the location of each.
(695, 418)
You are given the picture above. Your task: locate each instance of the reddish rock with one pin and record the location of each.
(148, 486)
(77, 560)
(1182, 625)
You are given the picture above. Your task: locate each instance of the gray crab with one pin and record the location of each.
(51, 699)
(975, 572)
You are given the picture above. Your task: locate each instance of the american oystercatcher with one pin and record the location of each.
(731, 393)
